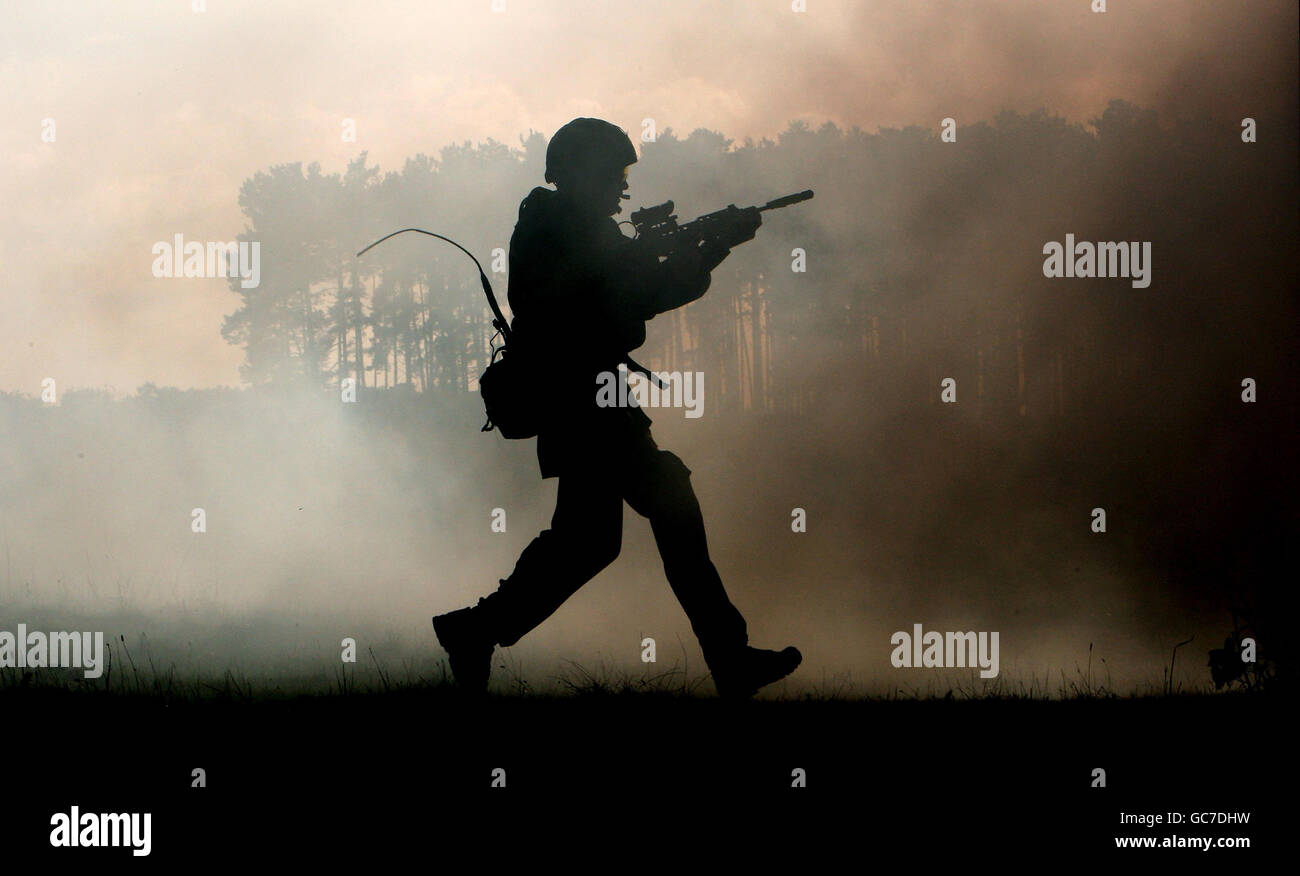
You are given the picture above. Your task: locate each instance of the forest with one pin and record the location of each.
(923, 261)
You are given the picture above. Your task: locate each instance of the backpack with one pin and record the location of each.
(509, 395)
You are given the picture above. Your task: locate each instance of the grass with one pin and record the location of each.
(136, 676)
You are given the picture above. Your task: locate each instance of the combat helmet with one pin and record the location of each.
(586, 145)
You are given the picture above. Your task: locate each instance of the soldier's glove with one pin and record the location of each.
(699, 259)
(745, 226)
(712, 253)
(736, 226)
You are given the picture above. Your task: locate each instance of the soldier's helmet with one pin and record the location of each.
(588, 146)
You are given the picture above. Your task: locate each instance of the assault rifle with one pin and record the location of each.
(657, 229)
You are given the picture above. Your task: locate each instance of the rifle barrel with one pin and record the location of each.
(805, 195)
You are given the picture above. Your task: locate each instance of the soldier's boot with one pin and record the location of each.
(468, 639)
(739, 673)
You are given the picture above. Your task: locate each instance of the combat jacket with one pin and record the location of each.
(580, 293)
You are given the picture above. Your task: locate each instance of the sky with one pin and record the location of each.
(160, 112)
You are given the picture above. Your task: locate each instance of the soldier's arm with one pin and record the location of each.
(688, 275)
(644, 287)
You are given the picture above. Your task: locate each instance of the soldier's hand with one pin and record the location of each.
(738, 226)
(701, 258)
(712, 253)
(747, 224)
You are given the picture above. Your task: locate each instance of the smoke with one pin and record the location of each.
(327, 520)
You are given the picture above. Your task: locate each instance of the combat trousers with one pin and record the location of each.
(586, 534)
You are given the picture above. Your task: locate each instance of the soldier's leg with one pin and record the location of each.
(656, 483)
(585, 536)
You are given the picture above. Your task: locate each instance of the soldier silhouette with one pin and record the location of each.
(581, 292)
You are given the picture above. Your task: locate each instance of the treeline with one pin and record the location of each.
(923, 261)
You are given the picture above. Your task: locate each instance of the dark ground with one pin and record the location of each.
(408, 773)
